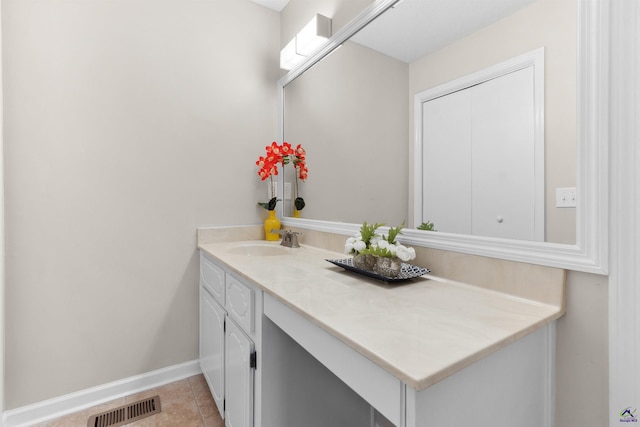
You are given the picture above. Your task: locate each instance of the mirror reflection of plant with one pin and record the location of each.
(427, 226)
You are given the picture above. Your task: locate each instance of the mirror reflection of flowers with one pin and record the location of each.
(299, 160)
(282, 155)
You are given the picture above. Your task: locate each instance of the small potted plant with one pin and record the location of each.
(362, 241)
(379, 253)
(268, 165)
(281, 155)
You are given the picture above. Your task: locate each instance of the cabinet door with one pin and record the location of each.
(212, 318)
(239, 303)
(239, 378)
(212, 277)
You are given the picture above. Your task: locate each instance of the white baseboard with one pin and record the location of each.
(73, 402)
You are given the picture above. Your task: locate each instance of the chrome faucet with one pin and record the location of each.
(289, 238)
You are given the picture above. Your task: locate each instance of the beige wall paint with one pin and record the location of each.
(127, 125)
(582, 371)
(551, 24)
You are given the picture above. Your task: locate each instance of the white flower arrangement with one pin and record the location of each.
(368, 241)
(354, 245)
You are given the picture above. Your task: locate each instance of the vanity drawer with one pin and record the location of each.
(212, 278)
(239, 303)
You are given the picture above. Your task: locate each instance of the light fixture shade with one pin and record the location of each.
(306, 42)
(313, 35)
(289, 58)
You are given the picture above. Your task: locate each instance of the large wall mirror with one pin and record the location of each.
(357, 108)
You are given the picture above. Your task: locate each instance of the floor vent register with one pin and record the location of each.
(126, 414)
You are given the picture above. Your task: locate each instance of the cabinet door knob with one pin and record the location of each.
(499, 219)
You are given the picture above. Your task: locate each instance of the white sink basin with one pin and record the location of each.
(258, 249)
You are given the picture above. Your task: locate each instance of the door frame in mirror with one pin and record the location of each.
(590, 253)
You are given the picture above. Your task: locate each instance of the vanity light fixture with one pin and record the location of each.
(313, 35)
(289, 58)
(306, 42)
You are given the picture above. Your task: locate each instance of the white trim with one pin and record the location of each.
(590, 253)
(2, 248)
(550, 393)
(624, 295)
(535, 59)
(73, 402)
(553, 255)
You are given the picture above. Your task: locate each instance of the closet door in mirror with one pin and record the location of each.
(479, 158)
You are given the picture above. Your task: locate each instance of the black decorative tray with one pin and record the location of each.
(407, 271)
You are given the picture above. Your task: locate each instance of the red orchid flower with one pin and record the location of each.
(282, 154)
(286, 149)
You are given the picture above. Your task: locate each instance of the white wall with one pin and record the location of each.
(127, 125)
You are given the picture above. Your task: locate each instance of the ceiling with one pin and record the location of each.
(276, 5)
(415, 28)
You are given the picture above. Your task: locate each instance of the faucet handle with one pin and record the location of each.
(282, 231)
(289, 238)
(286, 232)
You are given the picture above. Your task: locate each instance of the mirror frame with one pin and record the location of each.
(590, 253)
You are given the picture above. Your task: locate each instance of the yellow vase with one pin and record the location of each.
(296, 213)
(271, 223)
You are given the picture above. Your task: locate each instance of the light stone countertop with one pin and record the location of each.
(420, 331)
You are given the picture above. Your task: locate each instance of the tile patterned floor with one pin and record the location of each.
(184, 403)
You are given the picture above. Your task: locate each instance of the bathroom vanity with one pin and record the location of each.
(288, 339)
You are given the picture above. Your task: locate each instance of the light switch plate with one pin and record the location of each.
(566, 197)
(287, 191)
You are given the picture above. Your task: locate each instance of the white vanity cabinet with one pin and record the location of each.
(306, 345)
(227, 342)
(512, 386)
